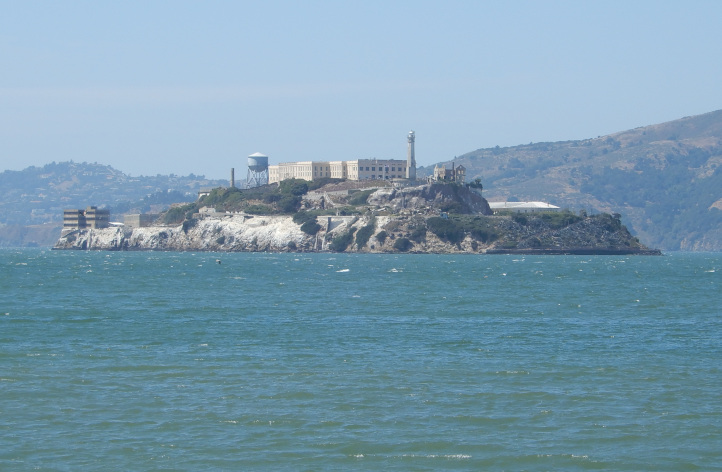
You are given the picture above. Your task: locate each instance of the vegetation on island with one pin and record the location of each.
(282, 199)
(342, 241)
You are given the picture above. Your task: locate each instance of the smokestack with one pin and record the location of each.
(233, 177)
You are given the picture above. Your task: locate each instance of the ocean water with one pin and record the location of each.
(172, 361)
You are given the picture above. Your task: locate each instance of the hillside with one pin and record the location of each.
(33, 199)
(665, 180)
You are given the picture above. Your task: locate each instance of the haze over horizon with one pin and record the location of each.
(187, 87)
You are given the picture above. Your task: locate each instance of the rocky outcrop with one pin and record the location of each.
(442, 197)
(235, 233)
(599, 234)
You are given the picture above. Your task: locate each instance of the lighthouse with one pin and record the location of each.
(410, 157)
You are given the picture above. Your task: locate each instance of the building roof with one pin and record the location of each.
(522, 206)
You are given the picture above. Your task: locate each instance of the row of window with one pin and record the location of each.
(375, 177)
(373, 169)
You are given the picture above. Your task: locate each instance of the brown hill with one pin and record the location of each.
(665, 179)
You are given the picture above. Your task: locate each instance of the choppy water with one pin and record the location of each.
(171, 361)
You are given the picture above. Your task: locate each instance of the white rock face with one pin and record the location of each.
(238, 233)
(253, 234)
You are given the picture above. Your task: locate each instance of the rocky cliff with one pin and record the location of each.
(598, 234)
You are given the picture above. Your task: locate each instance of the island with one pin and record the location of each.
(332, 215)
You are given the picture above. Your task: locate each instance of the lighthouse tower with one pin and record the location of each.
(410, 157)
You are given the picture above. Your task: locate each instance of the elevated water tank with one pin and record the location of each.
(257, 170)
(258, 162)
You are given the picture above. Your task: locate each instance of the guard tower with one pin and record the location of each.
(410, 157)
(257, 170)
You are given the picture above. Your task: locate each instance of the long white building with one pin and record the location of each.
(359, 169)
(522, 207)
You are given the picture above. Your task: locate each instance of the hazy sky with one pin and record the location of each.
(195, 87)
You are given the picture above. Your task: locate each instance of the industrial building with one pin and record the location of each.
(91, 217)
(359, 169)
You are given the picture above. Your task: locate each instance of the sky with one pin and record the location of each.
(179, 87)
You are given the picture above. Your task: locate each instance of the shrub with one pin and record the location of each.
(289, 203)
(272, 198)
(452, 207)
(484, 235)
(381, 237)
(178, 213)
(418, 234)
(520, 219)
(258, 209)
(360, 198)
(364, 234)
(188, 224)
(534, 242)
(480, 227)
(403, 244)
(446, 229)
(310, 227)
(302, 216)
(558, 220)
(295, 187)
(340, 243)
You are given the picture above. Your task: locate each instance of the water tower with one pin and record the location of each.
(257, 170)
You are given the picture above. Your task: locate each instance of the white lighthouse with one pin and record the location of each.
(410, 157)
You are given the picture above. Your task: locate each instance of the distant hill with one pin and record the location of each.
(665, 179)
(32, 200)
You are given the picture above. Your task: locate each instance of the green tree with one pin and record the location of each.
(341, 242)
(381, 237)
(403, 245)
(446, 229)
(310, 227)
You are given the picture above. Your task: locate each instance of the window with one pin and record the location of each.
(393, 169)
(373, 168)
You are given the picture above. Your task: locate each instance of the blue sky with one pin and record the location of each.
(195, 87)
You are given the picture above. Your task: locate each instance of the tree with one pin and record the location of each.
(403, 244)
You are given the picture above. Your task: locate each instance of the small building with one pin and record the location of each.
(91, 217)
(204, 192)
(140, 220)
(522, 207)
(454, 174)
